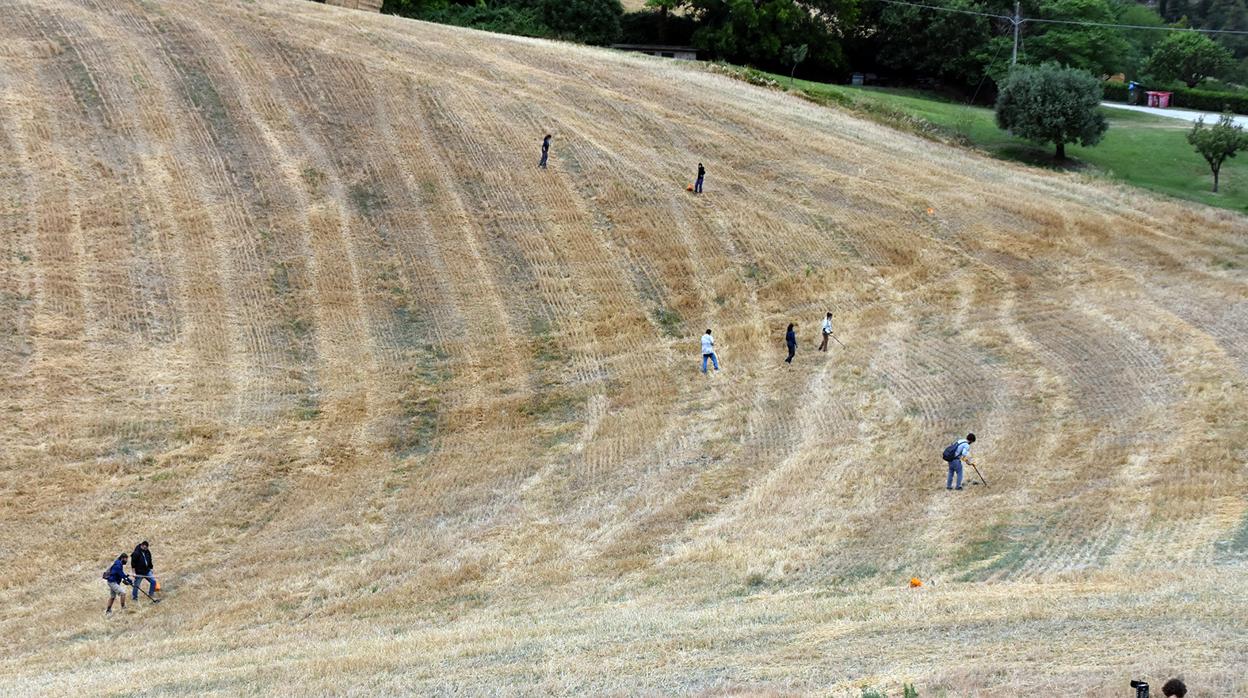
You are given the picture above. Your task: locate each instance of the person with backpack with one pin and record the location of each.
(697, 183)
(708, 351)
(141, 563)
(545, 151)
(790, 338)
(116, 577)
(827, 332)
(954, 454)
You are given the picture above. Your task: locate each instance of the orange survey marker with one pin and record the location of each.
(915, 582)
(689, 188)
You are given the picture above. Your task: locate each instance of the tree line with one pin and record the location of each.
(961, 52)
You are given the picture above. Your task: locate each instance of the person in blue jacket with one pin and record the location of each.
(116, 576)
(790, 339)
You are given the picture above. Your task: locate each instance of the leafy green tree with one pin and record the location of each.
(755, 32)
(588, 21)
(1218, 142)
(1051, 104)
(948, 47)
(1189, 57)
(1098, 50)
(1141, 42)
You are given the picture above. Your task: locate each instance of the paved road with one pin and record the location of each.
(1184, 114)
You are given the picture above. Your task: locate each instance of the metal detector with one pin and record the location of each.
(977, 473)
(140, 589)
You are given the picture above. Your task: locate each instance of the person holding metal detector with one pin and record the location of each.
(116, 577)
(827, 332)
(954, 454)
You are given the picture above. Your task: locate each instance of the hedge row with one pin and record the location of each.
(1185, 98)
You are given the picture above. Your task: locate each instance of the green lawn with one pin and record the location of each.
(1140, 149)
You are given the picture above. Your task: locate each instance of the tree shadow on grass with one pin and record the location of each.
(1037, 156)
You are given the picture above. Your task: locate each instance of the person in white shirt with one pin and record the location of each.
(827, 332)
(961, 452)
(708, 351)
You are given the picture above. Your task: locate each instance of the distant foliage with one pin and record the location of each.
(1188, 57)
(756, 32)
(656, 27)
(584, 21)
(950, 47)
(1051, 104)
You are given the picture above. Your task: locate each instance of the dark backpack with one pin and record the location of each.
(951, 451)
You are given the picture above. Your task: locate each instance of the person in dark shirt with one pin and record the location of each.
(141, 563)
(697, 184)
(790, 338)
(545, 151)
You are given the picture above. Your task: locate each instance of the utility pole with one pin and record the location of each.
(1017, 23)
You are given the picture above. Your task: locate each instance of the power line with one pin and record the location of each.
(1131, 26)
(946, 9)
(1038, 20)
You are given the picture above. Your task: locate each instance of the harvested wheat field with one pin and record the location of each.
(285, 293)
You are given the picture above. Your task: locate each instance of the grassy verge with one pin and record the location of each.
(1143, 150)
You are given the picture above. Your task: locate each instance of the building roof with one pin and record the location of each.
(653, 47)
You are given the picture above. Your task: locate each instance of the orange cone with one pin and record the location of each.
(689, 188)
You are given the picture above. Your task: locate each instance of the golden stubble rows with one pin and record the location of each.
(283, 291)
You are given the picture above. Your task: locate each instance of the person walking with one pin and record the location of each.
(545, 151)
(141, 563)
(790, 338)
(827, 332)
(697, 183)
(115, 577)
(708, 351)
(955, 453)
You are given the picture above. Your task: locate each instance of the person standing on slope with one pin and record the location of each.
(697, 183)
(790, 338)
(954, 454)
(141, 563)
(708, 351)
(545, 151)
(116, 576)
(827, 332)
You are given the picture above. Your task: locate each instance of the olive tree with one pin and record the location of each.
(1051, 104)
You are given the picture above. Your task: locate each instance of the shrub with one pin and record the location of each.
(1208, 100)
(1115, 91)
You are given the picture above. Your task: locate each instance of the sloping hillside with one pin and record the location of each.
(283, 292)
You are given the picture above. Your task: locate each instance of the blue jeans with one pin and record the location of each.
(697, 186)
(713, 360)
(138, 579)
(954, 467)
(543, 162)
